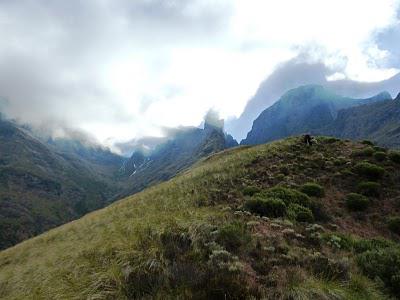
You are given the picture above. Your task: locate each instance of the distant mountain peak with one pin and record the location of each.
(212, 121)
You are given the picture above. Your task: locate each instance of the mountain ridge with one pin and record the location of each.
(303, 109)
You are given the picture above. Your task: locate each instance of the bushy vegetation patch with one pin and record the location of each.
(382, 264)
(251, 190)
(313, 190)
(395, 156)
(380, 156)
(300, 213)
(380, 149)
(369, 188)
(339, 241)
(288, 196)
(365, 152)
(233, 236)
(327, 268)
(375, 244)
(394, 224)
(368, 170)
(269, 207)
(367, 142)
(356, 202)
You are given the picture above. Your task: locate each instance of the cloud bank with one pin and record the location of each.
(125, 69)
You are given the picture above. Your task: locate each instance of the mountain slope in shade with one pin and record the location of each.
(41, 187)
(379, 122)
(182, 150)
(306, 108)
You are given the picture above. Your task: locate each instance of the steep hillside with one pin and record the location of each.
(306, 108)
(379, 122)
(275, 221)
(41, 187)
(177, 153)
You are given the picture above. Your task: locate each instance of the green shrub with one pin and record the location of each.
(233, 236)
(368, 151)
(313, 190)
(369, 170)
(356, 202)
(329, 140)
(300, 213)
(383, 264)
(395, 156)
(380, 156)
(339, 161)
(369, 188)
(394, 224)
(251, 190)
(379, 149)
(288, 196)
(270, 207)
(364, 245)
(367, 142)
(339, 240)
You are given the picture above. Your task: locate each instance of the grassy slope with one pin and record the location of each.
(125, 250)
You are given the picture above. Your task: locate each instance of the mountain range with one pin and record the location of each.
(47, 182)
(315, 109)
(294, 74)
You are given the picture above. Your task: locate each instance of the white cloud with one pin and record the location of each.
(125, 69)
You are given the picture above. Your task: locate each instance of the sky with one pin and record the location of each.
(122, 69)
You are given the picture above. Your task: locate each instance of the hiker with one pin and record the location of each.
(308, 139)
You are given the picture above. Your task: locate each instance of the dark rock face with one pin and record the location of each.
(305, 109)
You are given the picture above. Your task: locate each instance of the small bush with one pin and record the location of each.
(379, 149)
(395, 156)
(339, 161)
(300, 213)
(383, 264)
(367, 142)
(233, 236)
(394, 224)
(339, 241)
(364, 245)
(369, 188)
(313, 190)
(380, 156)
(369, 151)
(270, 207)
(356, 202)
(251, 190)
(369, 170)
(288, 196)
(330, 140)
